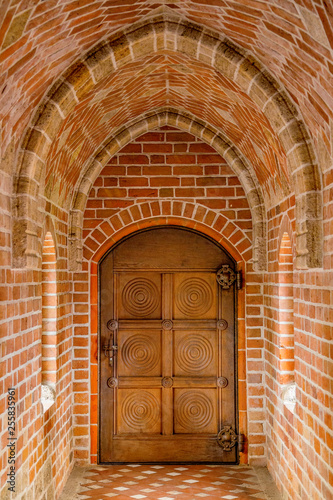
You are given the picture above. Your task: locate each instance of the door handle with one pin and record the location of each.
(110, 350)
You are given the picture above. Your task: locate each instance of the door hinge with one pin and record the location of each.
(227, 439)
(241, 439)
(226, 276)
(239, 280)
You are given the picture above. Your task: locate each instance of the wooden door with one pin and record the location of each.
(168, 385)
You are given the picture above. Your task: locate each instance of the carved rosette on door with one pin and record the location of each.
(168, 372)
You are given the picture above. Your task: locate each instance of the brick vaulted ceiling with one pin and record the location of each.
(160, 80)
(40, 40)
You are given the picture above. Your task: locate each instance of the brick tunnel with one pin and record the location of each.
(166, 240)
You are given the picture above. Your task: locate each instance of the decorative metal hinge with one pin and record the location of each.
(227, 439)
(226, 277)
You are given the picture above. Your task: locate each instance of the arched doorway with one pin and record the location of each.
(168, 373)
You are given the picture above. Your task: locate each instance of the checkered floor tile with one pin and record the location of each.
(170, 482)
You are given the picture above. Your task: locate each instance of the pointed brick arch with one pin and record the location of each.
(194, 126)
(152, 34)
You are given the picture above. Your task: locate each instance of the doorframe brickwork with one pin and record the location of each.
(183, 214)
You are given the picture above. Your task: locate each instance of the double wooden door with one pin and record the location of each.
(167, 351)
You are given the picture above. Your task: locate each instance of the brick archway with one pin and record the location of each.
(169, 32)
(186, 215)
(153, 213)
(198, 128)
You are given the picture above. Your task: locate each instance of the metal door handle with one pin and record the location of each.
(110, 350)
(107, 349)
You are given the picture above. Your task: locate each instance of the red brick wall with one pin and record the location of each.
(299, 443)
(127, 194)
(166, 164)
(44, 440)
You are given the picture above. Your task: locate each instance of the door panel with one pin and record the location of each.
(140, 353)
(169, 248)
(161, 396)
(195, 411)
(139, 295)
(195, 353)
(195, 295)
(139, 411)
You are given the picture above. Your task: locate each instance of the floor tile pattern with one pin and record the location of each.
(170, 482)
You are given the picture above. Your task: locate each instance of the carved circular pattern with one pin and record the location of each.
(222, 382)
(140, 297)
(112, 382)
(194, 353)
(140, 409)
(167, 382)
(112, 324)
(194, 297)
(140, 353)
(222, 324)
(167, 324)
(194, 410)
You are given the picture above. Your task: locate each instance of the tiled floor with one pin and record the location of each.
(168, 482)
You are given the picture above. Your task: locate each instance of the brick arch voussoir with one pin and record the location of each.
(198, 128)
(160, 213)
(168, 31)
